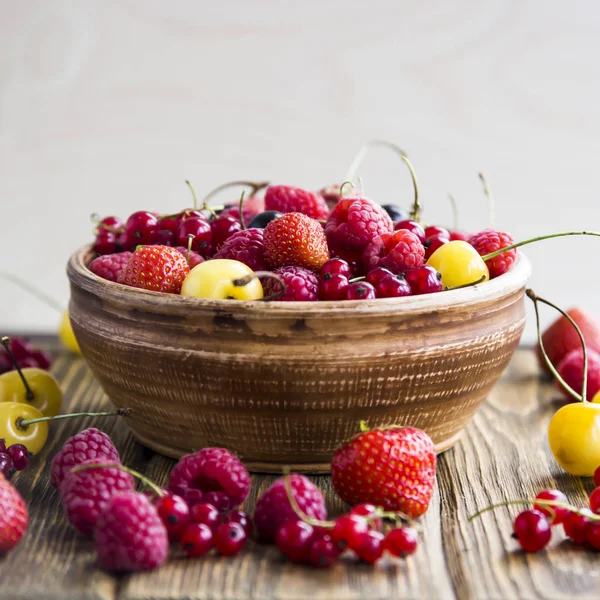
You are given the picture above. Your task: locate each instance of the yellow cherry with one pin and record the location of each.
(459, 264)
(32, 436)
(215, 279)
(66, 335)
(41, 390)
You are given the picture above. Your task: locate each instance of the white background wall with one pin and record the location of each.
(108, 105)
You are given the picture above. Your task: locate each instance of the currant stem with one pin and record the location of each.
(148, 482)
(29, 395)
(538, 239)
(242, 281)
(253, 185)
(24, 423)
(547, 503)
(454, 211)
(535, 298)
(241, 210)
(34, 291)
(490, 198)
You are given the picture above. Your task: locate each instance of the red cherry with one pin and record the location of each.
(597, 477)
(360, 290)
(140, 228)
(323, 553)
(239, 516)
(370, 546)
(229, 539)
(557, 512)
(294, 539)
(110, 224)
(463, 236)
(189, 213)
(347, 530)
(196, 539)
(401, 541)
(19, 455)
(222, 229)
(595, 501)
(411, 226)
(333, 288)
(201, 231)
(576, 526)
(424, 280)
(335, 266)
(433, 243)
(393, 287)
(105, 243)
(174, 513)
(593, 535)
(366, 510)
(206, 514)
(436, 230)
(532, 530)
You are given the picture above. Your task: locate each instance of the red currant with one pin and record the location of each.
(557, 512)
(374, 276)
(239, 516)
(597, 477)
(206, 514)
(222, 229)
(201, 231)
(532, 530)
(323, 553)
(370, 546)
(294, 539)
(593, 535)
(401, 541)
(230, 538)
(6, 466)
(19, 455)
(576, 526)
(436, 230)
(335, 266)
(360, 290)
(333, 288)
(174, 513)
(196, 539)
(433, 243)
(424, 280)
(367, 510)
(105, 243)
(140, 228)
(411, 226)
(594, 500)
(393, 287)
(347, 530)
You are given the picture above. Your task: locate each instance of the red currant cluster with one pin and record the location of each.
(25, 354)
(14, 458)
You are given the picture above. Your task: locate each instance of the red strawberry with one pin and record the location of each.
(391, 468)
(560, 337)
(13, 516)
(295, 239)
(155, 268)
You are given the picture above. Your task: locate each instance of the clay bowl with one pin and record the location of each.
(286, 383)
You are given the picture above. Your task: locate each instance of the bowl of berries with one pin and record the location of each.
(276, 326)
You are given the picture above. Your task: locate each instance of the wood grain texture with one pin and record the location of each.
(502, 455)
(286, 383)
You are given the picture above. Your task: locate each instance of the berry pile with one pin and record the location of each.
(26, 356)
(12, 458)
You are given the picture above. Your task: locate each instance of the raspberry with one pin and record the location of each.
(398, 252)
(195, 258)
(246, 246)
(570, 369)
(130, 535)
(295, 240)
(490, 240)
(301, 285)
(89, 444)
(85, 494)
(213, 476)
(354, 223)
(110, 265)
(273, 508)
(288, 199)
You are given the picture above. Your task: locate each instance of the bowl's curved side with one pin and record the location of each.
(289, 386)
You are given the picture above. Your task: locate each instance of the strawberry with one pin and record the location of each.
(155, 268)
(560, 338)
(295, 239)
(392, 468)
(13, 516)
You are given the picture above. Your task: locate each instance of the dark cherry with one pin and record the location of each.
(333, 288)
(19, 455)
(222, 229)
(105, 243)
(140, 228)
(436, 230)
(396, 213)
(201, 231)
(424, 280)
(411, 226)
(393, 287)
(239, 516)
(261, 220)
(6, 466)
(335, 266)
(374, 276)
(433, 243)
(360, 290)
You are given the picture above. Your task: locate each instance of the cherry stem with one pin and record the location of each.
(242, 223)
(210, 209)
(347, 182)
(24, 423)
(191, 237)
(34, 291)
(466, 285)
(454, 211)
(537, 239)
(29, 395)
(583, 397)
(253, 185)
(547, 503)
(242, 281)
(193, 194)
(490, 198)
(416, 210)
(148, 482)
(355, 279)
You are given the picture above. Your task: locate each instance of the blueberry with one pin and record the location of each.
(261, 220)
(396, 213)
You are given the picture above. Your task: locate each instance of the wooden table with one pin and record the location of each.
(502, 455)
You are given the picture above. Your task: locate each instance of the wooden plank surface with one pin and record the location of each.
(502, 455)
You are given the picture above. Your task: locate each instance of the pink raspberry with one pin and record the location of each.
(288, 199)
(273, 508)
(110, 265)
(570, 368)
(398, 252)
(354, 223)
(85, 494)
(211, 476)
(247, 246)
(301, 285)
(89, 444)
(130, 535)
(195, 258)
(490, 240)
